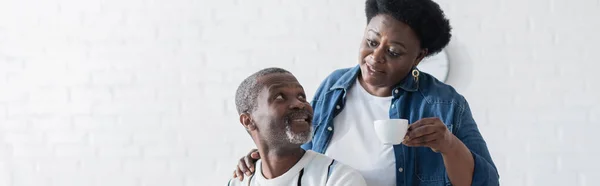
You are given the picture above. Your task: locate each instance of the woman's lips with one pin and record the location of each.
(373, 70)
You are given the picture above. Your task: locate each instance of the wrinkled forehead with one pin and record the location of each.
(272, 82)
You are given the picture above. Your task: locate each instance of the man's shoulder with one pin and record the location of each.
(325, 160)
(338, 172)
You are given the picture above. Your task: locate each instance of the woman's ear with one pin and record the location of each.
(246, 121)
(420, 57)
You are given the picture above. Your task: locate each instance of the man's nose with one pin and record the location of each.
(297, 104)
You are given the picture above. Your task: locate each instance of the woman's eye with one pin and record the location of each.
(279, 97)
(393, 54)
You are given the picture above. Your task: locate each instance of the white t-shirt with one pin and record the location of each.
(354, 141)
(313, 169)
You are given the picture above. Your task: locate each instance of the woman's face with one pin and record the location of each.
(388, 51)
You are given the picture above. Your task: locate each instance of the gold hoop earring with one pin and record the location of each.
(415, 74)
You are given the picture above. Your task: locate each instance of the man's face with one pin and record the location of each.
(282, 115)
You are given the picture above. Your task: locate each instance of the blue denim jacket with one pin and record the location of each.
(411, 100)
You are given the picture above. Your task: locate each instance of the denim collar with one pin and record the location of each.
(348, 78)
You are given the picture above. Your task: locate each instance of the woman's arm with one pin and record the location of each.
(465, 153)
(459, 163)
(470, 153)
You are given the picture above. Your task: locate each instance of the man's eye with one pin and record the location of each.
(371, 43)
(302, 97)
(279, 97)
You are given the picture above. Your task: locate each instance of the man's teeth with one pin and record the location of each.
(299, 120)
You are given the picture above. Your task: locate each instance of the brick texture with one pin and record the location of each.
(140, 92)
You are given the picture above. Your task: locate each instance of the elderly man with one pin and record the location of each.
(273, 109)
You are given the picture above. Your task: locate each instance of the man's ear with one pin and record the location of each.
(421, 55)
(246, 121)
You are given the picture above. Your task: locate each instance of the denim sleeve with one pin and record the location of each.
(485, 172)
(308, 146)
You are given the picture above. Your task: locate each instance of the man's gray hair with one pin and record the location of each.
(247, 92)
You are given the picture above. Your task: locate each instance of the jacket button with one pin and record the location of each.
(396, 91)
(329, 128)
(400, 169)
(393, 106)
(337, 107)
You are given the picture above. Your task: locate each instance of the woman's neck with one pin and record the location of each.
(375, 91)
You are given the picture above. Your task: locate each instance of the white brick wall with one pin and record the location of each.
(140, 92)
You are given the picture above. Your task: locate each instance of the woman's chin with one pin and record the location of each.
(371, 80)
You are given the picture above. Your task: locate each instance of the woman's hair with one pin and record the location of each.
(425, 17)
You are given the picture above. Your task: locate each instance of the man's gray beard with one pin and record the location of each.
(298, 138)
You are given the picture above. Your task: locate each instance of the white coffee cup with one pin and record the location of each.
(391, 131)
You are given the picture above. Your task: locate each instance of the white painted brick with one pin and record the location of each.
(594, 114)
(134, 107)
(23, 167)
(137, 93)
(30, 137)
(72, 179)
(57, 166)
(94, 123)
(145, 168)
(66, 137)
(580, 97)
(165, 179)
(138, 122)
(15, 125)
(32, 180)
(81, 98)
(90, 94)
(155, 136)
(171, 77)
(112, 78)
(3, 111)
(164, 150)
(5, 174)
(102, 166)
(187, 166)
(119, 151)
(31, 150)
(222, 60)
(111, 137)
(116, 180)
(79, 108)
(74, 151)
(45, 101)
(195, 180)
(50, 94)
(51, 123)
(177, 93)
(204, 107)
(17, 92)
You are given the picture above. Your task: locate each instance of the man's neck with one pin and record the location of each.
(275, 162)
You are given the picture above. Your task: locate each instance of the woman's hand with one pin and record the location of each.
(430, 132)
(246, 165)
